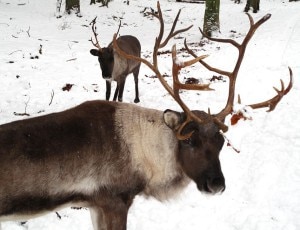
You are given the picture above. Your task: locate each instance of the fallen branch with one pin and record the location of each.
(72, 59)
(15, 52)
(27, 31)
(52, 95)
(25, 113)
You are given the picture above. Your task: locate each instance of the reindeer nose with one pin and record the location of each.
(216, 185)
(106, 77)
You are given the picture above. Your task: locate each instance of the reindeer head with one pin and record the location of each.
(199, 153)
(199, 133)
(106, 60)
(105, 55)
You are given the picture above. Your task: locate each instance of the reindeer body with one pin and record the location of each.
(116, 68)
(99, 155)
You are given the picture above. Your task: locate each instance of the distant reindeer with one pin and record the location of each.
(102, 154)
(117, 68)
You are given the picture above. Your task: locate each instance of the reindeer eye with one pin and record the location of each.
(188, 141)
(191, 142)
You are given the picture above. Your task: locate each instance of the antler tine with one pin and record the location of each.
(172, 33)
(158, 42)
(94, 28)
(179, 65)
(272, 103)
(207, 66)
(120, 23)
(177, 85)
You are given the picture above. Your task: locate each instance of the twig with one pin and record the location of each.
(40, 50)
(52, 95)
(28, 31)
(58, 216)
(229, 143)
(2, 23)
(72, 59)
(15, 52)
(25, 113)
(21, 114)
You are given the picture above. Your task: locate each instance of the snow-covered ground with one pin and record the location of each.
(263, 180)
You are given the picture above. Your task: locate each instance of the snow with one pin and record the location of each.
(262, 181)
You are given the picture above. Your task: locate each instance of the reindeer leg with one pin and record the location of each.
(116, 92)
(121, 83)
(108, 89)
(98, 219)
(111, 213)
(136, 81)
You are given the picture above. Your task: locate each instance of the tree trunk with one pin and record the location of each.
(58, 7)
(252, 3)
(104, 2)
(73, 5)
(211, 17)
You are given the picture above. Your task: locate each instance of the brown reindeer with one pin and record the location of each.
(115, 67)
(102, 154)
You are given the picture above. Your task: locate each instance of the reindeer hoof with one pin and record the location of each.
(136, 100)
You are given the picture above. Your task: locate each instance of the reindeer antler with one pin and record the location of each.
(233, 75)
(94, 28)
(158, 42)
(177, 66)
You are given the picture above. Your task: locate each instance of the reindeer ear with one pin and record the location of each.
(172, 119)
(95, 52)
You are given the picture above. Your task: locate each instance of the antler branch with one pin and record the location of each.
(177, 66)
(272, 103)
(94, 28)
(172, 33)
(158, 42)
(207, 66)
(234, 73)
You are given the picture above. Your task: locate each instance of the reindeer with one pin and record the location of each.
(115, 67)
(102, 154)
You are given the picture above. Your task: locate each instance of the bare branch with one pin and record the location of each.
(52, 96)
